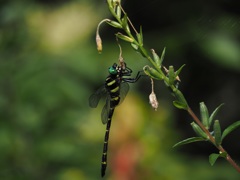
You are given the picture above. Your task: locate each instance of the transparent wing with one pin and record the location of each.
(95, 97)
(124, 88)
(105, 111)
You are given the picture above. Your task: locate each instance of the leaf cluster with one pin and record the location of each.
(210, 122)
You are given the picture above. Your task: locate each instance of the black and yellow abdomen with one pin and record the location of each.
(112, 85)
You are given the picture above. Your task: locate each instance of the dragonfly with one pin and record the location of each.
(115, 89)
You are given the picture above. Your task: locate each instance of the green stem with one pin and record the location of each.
(128, 32)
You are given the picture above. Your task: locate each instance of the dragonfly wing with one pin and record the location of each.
(105, 111)
(124, 88)
(95, 97)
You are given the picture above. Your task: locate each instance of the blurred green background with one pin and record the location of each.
(49, 67)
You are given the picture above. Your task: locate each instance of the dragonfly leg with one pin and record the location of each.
(133, 80)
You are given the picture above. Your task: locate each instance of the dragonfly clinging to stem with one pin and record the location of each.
(115, 89)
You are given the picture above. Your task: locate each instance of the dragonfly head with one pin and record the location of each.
(113, 69)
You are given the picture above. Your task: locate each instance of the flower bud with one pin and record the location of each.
(153, 101)
(152, 97)
(99, 43)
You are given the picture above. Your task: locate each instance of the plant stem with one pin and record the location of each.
(142, 50)
(232, 162)
(211, 138)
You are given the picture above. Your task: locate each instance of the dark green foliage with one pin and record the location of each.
(217, 132)
(42, 102)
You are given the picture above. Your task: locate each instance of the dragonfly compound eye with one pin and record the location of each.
(112, 70)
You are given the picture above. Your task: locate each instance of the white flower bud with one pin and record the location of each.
(153, 101)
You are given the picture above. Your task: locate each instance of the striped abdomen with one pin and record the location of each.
(113, 87)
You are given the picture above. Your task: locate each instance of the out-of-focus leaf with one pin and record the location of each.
(223, 49)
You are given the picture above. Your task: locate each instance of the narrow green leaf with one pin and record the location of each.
(171, 75)
(204, 115)
(152, 73)
(140, 37)
(143, 51)
(198, 130)
(230, 129)
(163, 55)
(125, 23)
(156, 58)
(179, 97)
(118, 11)
(134, 46)
(213, 157)
(214, 113)
(124, 37)
(110, 4)
(179, 70)
(180, 105)
(114, 24)
(217, 132)
(189, 140)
